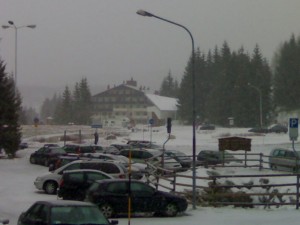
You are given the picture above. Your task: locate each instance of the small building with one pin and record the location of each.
(234, 144)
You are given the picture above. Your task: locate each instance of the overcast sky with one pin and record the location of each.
(107, 42)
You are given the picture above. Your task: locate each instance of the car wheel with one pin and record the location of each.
(107, 210)
(170, 210)
(32, 160)
(50, 187)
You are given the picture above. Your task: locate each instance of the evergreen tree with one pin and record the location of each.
(85, 102)
(10, 107)
(222, 87)
(287, 75)
(48, 107)
(27, 115)
(169, 87)
(64, 111)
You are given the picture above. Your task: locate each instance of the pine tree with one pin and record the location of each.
(169, 86)
(10, 107)
(287, 75)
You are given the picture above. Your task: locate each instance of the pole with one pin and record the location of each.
(144, 13)
(12, 25)
(16, 56)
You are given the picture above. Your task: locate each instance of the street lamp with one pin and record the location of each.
(260, 102)
(12, 25)
(144, 13)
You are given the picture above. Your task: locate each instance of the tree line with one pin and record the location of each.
(235, 84)
(229, 84)
(71, 107)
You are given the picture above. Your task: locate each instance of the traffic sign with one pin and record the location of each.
(293, 122)
(151, 121)
(293, 128)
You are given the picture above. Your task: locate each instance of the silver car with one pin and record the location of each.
(49, 182)
(280, 157)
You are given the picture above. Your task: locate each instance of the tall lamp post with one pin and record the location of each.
(144, 13)
(260, 102)
(12, 25)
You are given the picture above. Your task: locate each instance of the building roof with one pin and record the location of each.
(163, 103)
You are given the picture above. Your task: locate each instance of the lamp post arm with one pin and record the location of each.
(145, 13)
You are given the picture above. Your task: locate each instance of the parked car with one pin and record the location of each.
(23, 145)
(137, 170)
(278, 128)
(111, 196)
(207, 126)
(121, 146)
(74, 183)
(79, 149)
(280, 157)
(51, 145)
(212, 157)
(180, 157)
(45, 155)
(63, 212)
(262, 130)
(49, 182)
(62, 160)
(4, 221)
(152, 156)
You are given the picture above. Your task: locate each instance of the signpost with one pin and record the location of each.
(151, 122)
(293, 130)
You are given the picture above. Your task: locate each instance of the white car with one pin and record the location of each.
(137, 169)
(49, 182)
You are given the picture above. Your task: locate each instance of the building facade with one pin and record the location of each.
(126, 104)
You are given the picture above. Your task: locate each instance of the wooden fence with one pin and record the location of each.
(159, 177)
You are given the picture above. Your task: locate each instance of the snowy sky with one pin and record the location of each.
(107, 42)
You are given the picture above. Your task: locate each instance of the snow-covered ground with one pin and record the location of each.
(17, 191)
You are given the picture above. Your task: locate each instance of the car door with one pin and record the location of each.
(37, 214)
(143, 198)
(40, 154)
(91, 176)
(116, 194)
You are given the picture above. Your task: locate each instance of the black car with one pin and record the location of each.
(207, 127)
(260, 130)
(45, 155)
(74, 183)
(23, 145)
(180, 157)
(112, 198)
(79, 149)
(212, 157)
(278, 128)
(61, 160)
(63, 212)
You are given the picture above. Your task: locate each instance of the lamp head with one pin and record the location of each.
(11, 22)
(5, 26)
(144, 13)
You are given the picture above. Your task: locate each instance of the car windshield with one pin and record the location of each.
(77, 215)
